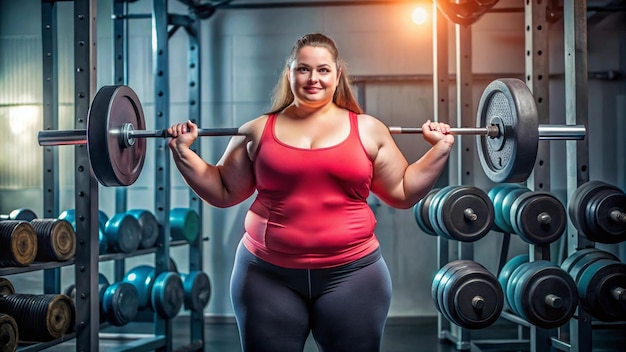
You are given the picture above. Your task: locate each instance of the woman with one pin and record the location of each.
(309, 261)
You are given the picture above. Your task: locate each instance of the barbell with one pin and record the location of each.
(507, 143)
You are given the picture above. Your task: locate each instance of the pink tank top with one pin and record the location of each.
(311, 207)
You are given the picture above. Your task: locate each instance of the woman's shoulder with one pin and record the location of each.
(255, 125)
(370, 123)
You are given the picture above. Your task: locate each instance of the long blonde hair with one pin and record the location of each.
(344, 98)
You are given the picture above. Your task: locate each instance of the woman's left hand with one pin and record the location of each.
(434, 132)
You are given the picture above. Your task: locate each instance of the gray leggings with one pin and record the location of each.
(344, 307)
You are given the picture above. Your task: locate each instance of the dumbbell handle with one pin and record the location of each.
(554, 301)
(618, 215)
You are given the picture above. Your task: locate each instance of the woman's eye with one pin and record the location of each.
(303, 69)
(324, 70)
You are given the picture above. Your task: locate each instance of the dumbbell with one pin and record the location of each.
(70, 216)
(18, 241)
(56, 240)
(39, 318)
(601, 281)
(184, 224)
(164, 294)
(536, 217)
(149, 227)
(462, 213)
(598, 210)
(467, 294)
(542, 293)
(118, 301)
(19, 214)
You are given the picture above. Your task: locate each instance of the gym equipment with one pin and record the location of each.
(164, 294)
(420, 212)
(184, 224)
(507, 145)
(598, 210)
(149, 227)
(70, 216)
(120, 303)
(537, 217)
(462, 213)
(19, 242)
(103, 284)
(56, 240)
(601, 281)
(39, 317)
(19, 214)
(542, 293)
(505, 274)
(467, 294)
(9, 333)
(123, 233)
(6, 287)
(197, 287)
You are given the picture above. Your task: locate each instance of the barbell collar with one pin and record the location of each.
(617, 215)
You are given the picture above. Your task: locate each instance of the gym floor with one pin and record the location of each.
(401, 335)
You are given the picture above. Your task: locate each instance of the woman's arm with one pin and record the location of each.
(224, 184)
(395, 181)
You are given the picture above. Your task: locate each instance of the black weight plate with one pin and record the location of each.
(601, 288)
(197, 290)
(509, 104)
(434, 288)
(420, 212)
(452, 217)
(113, 163)
(122, 303)
(534, 231)
(577, 207)
(478, 285)
(446, 296)
(602, 227)
(544, 280)
(443, 280)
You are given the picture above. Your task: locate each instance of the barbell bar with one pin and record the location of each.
(507, 145)
(127, 133)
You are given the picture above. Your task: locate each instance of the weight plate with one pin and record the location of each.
(6, 287)
(508, 268)
(477, 299)
(544, 283)
(434, 289)
(509, 294)
(583, 263)
(113, 163)
(168, 294)
(602, 290)
(9, 333)
(120, 303)
(540, 218)
(442, 278)
(497, 194)
(453, 219)
(22, 214)
(581, 254)
(508, 104)
(577, 207)
(149, 227)
(507, 203)
(142, 277)
(602, 227)
(447, 297)
(434, 210)
(197, 288)
(184, 224)
(123, 233)
(420, 212)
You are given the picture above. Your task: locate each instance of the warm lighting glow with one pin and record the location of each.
(22, 119)
(420, 15)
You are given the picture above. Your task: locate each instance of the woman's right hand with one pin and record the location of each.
(182, 134)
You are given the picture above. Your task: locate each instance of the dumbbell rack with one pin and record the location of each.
(579, 337)
(86, 262)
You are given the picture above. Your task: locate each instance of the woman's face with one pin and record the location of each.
(313, 76)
